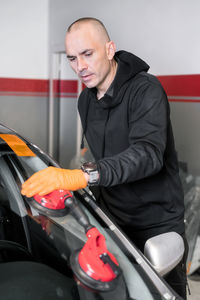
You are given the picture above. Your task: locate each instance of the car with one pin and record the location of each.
(37, 248)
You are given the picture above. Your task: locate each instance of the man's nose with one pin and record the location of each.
(81, 64)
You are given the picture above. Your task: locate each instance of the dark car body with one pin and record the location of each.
(35, 249)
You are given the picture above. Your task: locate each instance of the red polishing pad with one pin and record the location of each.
(54, 200)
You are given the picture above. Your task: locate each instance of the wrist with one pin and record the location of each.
(86, 175)
(91, 173)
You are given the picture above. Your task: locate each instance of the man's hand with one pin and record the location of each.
(51, 178)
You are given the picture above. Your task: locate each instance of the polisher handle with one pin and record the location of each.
(78, 213)
(107, 260)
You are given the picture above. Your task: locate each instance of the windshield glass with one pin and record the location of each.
(53, 240)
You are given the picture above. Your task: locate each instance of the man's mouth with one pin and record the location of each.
(86, 78)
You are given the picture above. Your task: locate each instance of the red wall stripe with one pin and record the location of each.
(66, 86)
(179, 88)
(24, 85)
(37, 87)
(181, 85)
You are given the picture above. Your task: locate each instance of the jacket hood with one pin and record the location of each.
(129, 65)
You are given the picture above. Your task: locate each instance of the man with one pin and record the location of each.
(125, 118)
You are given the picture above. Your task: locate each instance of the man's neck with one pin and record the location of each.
(102, 90)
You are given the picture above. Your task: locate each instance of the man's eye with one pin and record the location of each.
(71, 58)
(88, 54)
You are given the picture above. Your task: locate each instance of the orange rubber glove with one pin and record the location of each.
(51, 178)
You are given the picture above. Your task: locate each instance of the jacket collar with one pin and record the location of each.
(129, 65)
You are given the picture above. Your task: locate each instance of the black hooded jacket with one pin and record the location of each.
(129, 133)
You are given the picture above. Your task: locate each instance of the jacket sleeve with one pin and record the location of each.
(148, 121)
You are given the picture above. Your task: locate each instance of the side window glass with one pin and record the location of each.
(11, 207)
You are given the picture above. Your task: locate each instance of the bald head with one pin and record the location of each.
(93, 24)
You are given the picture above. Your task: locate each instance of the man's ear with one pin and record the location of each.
(110, 49)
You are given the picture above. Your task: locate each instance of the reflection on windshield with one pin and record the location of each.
(32, 164)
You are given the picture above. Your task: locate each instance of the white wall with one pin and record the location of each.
(24, 54)
(164, 33)
(24, 38)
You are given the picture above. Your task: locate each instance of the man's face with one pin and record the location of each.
(88, 55)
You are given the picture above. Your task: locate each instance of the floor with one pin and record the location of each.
(194, 286)
(194, 278)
